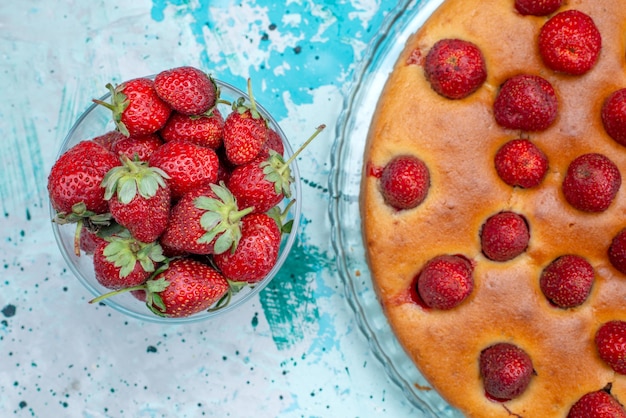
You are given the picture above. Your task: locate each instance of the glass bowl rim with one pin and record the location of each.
(286, 246)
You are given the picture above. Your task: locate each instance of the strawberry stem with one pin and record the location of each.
(77, 232)
(151, 287)
(253, 109)
(117, 292)
(303, 146)
(118, 104)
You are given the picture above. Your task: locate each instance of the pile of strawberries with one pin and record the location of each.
(179, 204)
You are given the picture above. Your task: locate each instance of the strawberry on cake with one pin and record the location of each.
(493, 208)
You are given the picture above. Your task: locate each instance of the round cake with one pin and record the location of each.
(448, 141)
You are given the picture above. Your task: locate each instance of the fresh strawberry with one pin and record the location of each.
(141, 146)
(139, 198)
(262, 184)
(273, 143)
(179, 288)
(206, 130)
(537, 7)
(93, 233)
(108, 139)
(190, 287)
(614, 116)
(506, 371)
(570, 42)
(591, 182)
(188, 165)
(404, 182)
(526, 102)
(455, 68)
(245, 131)
(205, 220)
(617, 251)
(598, 404)
(136, 107)
(521, 163)
(567, 281)
(76, 176)
(122, 261)
(504, 236)
(74, 187)
(609, 340)
(444, 282)
(187, 90)
(89, 240)
(255, 254)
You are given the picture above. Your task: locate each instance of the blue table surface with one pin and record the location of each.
(295, 350)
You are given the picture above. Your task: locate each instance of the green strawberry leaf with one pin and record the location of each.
(119, 103)
(133, 177)
(287, 227)
(227, 241)
(124, 252)
(221, 219)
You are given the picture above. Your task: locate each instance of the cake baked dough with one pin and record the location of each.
(457, 140)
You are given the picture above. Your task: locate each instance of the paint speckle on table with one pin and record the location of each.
(292, 47)
(290, 301)
(295, 349)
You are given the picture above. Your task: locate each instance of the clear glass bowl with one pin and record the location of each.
(96, 120)
(344, 185)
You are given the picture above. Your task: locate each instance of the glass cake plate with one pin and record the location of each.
(344, 184)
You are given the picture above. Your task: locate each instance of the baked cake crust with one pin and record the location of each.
(457, 139)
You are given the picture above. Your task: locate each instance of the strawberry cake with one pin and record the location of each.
(493, 209)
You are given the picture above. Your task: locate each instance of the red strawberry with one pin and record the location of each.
(617, 251)
(136, 107)
(190, 287)
(521, 163)
(141, 146)
(206, 130)
(526, 102)
(591, 182)
(89, 240)
(599, 404)
(253, 188)
(139, 198)
(506, 371)
(74, 187)
(187, 90)
(274, 143)
(614, 116)
(570, 42)
(205, 220)
(108, 139)
(93, 233)
(76, 176)
(404, 182)
(445, 282)
(504, 236)
(123, 262)
(262, 184)
(245, 131)
(188, 165)
(567, 281)
(537, 7)
(455, 68)
(610, 342)
(255, 254)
